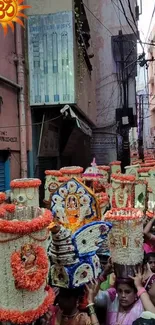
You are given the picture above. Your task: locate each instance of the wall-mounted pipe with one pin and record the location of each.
(22, 109)
(10, 82)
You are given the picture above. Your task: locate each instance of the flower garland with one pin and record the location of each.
(105, 168)
(9, 207)
(152, 164)
(92, 176)
(27, 317)
(149, 161)
(2, 197)
(123, 214)
(63, 179)
(34, 280)
(137, 162)
(2, 212)
(123, 178)
(144, 170)
(117, 163)
(71, 170)
(53, 173)
(149, 214)
(25, 183)
(26, 227)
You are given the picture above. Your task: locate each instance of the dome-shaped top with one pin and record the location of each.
(92, 172)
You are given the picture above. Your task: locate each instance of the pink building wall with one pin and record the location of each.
(9, 121)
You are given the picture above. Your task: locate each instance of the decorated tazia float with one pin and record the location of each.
(105, 171)
(151, 192)
(122, 190)
(104, 203)
(132, 170)
(69, 172)
(93, 178)
(115, 167)
(126, 240)
(143, 173)
(52, 181)
(127, 192)
(23, 253)
(25, 191)
(77, 233)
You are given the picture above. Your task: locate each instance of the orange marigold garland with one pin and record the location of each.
(123, 178)
(2, 197)
(53, 173)
(2, 212)
(9, 207)
(26, 227)
(71, 170)
(25, 184)
(30, 316)
(34, 280)
(117, 163)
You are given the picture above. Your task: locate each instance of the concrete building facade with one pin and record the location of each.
(62, 75)
(107, 19)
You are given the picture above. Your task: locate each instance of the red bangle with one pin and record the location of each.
(141, 291)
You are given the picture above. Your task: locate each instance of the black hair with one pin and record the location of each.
(127, 281)
(148, 256)
(142, 321)
(69, 293)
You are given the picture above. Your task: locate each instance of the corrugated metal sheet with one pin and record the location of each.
(2, 176)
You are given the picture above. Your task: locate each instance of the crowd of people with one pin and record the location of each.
(109, 300)
(88, 277)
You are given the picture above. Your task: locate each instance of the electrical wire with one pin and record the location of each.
(121, 10)
(106, 106)
(137, 36)
(128, 21)
(120, 1)
(122, 27)
(98, 19)
(129, 4)
(118, 16)
(33, 124)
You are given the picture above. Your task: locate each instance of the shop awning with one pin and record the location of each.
(81, 124)
(80, 131)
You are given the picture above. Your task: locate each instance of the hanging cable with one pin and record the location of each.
(120, 1)
(98, 19)
(129, 4)
(128, 21)
(118, 16)
(33, 124)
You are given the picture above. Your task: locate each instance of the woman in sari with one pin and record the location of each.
(122, 304)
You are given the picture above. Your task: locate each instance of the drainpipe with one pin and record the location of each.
(22, 110)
